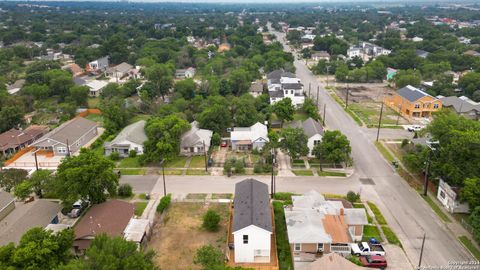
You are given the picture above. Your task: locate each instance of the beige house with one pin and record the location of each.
(317, 226)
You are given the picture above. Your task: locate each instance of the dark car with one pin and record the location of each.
(374, 261)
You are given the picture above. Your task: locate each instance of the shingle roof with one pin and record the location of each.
(312, 127)
(123, 67)
(411, 93)
(292, 85)
(275, 75)
(251, 205)
(196, 135)
(276, 94)
(134, 133)
(460, 105)
(256, 87)
(256, 131)
(71, 130)
(14, 137)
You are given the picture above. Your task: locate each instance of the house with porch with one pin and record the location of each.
(251, 228)
(13, 140)
(317, 226)
(196, 141)
(248, 138)
(412, 102)
(68, 138)
(131, 138)
(462, 106)
(450, 199)
(119, 71)
(313, 129)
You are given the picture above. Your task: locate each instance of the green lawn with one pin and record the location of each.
(470, 246)
(300, 116)
(93, 102)
(216, 196)
(129, 163)
(284, 254)
(132, 171)
(95, 118)
(196, 196)
(142, 196)
(283, 196)
(369, 113)
(178, 162)
(436, 209)
(197, 162)
(378, 215)
(325, 173)
(370, 231)
(303, 172)
(171, 172)
(391, 236)
(197, 172)
(386, 154)
(139, 117)
(140, 207)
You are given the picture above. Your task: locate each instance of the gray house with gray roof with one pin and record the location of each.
(131, 138)
(252, 227)
(462, 106)
(313, 129)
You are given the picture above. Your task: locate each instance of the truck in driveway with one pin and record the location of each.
(364, 248)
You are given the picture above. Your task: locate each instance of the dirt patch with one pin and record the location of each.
(176, 239)
(364, 92)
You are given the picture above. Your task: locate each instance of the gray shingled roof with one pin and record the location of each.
(275, 75)
(312, 127)
(459, 104)
(276, 94)
(133, 133)
(411, 93)
(251, 205)
(292, 86)
(71, 130)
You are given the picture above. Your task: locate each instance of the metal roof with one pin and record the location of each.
(252, 205)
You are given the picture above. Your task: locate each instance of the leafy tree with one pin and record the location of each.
(38, 249)
(88, 176)
(161, 78)
(475, 222)
(209, 258)
(294, 141)
(41, 180)
(353, 197)
(239, 81)
(78, 95)
(341, 72)
(10, 178)
(470, 83)
(23, 190)
(294, 36)
(284, 109)
(211, 220)
(164, 203)
(10, 117)
(471, 192)
(217, 118)
(38, 91)
(407, 77)
(125, 190)
(113, 253)
(115, 116)
(310, 108)
(185, 88)
(245, 111)
(334, 147)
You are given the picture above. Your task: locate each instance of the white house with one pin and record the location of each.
(283, 84)
(320, 55)
(196, 141)
(99, 65)
(252, 222)
(185, 73)
(313, 129)
(96, 87)
(366, 51)
(448, 196)
(248, 138)
(130, 138)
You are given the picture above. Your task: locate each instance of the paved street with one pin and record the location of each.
(406, 212)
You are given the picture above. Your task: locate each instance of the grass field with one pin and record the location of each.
(436, 209)
(171, 172)
(370, 231)
(132, 171)
(197, 162)
(129, 163)
(303, 172)
(140, 207)
(325, 173)
(93, 102)
(197, 172)
(378, 215)
(196, 196)
(470, 246)
(216, 196)
(385, 153)
(391, 236)
(178, 162)
(369, 113)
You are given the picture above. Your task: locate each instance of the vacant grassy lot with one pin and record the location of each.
(129, 163)
(197, 162)
(369, 112)
(177, 238)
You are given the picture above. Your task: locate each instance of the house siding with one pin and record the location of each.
(75, 146)
(407, 108)
(7, 209)
(258, 239)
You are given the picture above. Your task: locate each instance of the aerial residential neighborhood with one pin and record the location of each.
(289, 135)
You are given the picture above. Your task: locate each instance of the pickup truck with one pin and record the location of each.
(365, 248)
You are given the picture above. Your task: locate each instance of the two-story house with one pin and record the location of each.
(282, 85)
(412, 102)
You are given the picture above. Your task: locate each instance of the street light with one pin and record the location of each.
(431, 145)
(162, 163)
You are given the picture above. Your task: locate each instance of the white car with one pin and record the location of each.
(414, 128)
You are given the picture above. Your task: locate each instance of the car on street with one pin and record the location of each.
(374, 261)
(364, 249)
(414, 128)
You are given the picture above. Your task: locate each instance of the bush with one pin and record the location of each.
(353, 197)
(216, 139)
(209, 257)
(125, 190)
(211, 220)
(475, 222)
(132, 153)
(405, 142)
(114, 156)
(227, 167)
(164, 203)
(239, 166)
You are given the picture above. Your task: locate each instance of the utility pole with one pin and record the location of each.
(205, 153)
(379, 121)
(318, 93)
(36, 161)
(427, 166)
(346, 98)
(309, 88)
(421, 251)
(328, 67)
(68, 149)
(163, 176)
(324, 113)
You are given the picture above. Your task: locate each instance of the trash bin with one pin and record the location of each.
(395, 163)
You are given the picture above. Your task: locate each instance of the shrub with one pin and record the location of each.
(258, 168)
(405, 142)
(164, 203)
(114, 156)
(475, 222)
(227, 167)
(216, 139)
(239, 166)
(211, 220)
(125, 190)
(209, 257)
(353, 197)
(132, 153)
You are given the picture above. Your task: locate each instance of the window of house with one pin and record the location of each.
(417, 106)
(435, 106)
(442, 194)
(320, 246)
(245, 239)
(316, 142)
(297, 247)
(62, 150)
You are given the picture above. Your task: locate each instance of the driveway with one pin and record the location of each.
(406, 212)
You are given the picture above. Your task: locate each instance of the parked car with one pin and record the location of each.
(77, 208)
(223, 144)
(374, 261)
(414, 128)
(364, 248)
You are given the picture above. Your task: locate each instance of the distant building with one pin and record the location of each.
(98, 66)
(422, 53)
(321, 55)
(256, 89)
(413, 102)
(185, 73)
(96, 87)
(366, 51)
(131, 138)
(462, 106)
(417, 39)
(15, 87)
(314, 131)
(13, 140)
(120, 71)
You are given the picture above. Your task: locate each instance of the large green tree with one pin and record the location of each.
(88, 176)
(217, 118)
(334, 147)
(245, 112)
(160, 77)
(294, 142)
(284, 109)
(10, 178)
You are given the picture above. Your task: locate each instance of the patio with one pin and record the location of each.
(45, 159)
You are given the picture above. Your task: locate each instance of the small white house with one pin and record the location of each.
(314, 131)
(185, 73)
(448, 196)
(96, 87)
(130, 138)
(196, 141)
(252, 222)
(248, 138)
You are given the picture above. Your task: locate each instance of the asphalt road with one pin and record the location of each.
(405, 211)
